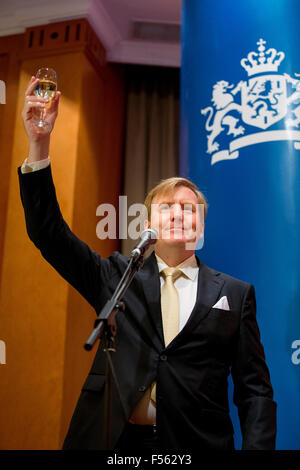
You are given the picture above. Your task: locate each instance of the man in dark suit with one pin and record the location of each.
(184, 329)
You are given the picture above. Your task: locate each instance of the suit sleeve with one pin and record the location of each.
(83, 268)
(253, 393)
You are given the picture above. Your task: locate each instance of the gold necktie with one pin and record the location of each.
(169, 310)
(170, 304)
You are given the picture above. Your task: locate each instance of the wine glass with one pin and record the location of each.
(46, 88)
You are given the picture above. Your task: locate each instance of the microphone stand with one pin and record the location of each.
(105, 328)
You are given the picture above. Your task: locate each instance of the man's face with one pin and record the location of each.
(177, 217)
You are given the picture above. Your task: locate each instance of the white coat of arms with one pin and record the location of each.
(265, 99)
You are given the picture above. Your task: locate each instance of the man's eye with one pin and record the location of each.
(164, 207)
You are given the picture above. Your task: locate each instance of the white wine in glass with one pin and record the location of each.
(46, 88)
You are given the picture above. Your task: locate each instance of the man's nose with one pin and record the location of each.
(177, 211)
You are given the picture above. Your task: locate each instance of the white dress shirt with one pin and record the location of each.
(34, 166)
(145, 411)
(185, 285)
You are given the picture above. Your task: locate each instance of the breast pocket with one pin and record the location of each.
(221, 326)
(224, 315)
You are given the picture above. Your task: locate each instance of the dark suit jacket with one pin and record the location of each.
(191, 373)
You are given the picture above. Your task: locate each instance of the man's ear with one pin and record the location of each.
(146, 224)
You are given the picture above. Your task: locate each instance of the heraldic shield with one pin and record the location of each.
(264, 100)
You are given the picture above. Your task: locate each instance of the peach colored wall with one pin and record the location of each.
(44, 321)
(9, 73)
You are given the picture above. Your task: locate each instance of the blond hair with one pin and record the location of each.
(168, 186)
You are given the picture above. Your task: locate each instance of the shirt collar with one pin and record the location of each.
(189, 266)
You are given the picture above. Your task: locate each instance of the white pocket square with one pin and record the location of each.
(222, 303)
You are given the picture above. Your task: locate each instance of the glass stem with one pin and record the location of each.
(41, 121)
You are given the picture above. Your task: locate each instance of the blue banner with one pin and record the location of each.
(240, 142)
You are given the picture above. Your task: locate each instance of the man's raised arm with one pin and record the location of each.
(83, 268)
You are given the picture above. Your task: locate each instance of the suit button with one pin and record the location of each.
(163, 357)
(142, 388)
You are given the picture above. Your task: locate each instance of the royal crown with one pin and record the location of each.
(262, 61)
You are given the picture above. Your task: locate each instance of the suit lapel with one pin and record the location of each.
(208, 291)
(149, 276)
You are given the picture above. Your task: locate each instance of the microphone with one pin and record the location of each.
(148, 237)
